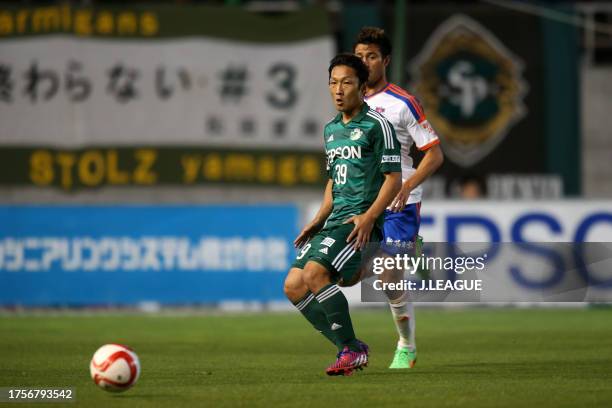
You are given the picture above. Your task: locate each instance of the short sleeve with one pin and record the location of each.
(418, 127)
(386, 146)
(327, 163)
(328, 167)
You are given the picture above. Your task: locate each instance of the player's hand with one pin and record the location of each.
(362, 230)
(309, 230)
(399, 202)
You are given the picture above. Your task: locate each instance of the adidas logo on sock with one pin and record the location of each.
(324, 250)
(336, 326)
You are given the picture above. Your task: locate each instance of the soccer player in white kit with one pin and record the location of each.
(402, 218)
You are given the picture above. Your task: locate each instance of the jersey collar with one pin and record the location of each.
(362, 113)
(383, 89)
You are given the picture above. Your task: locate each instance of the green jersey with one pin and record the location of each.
(359, 153)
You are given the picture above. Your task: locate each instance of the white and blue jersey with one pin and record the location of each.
(404, 111)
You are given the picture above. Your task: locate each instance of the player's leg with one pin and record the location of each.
(303, 299)
(332, 300)
(403, 227)
(334, 303)
(336, 259)
(404, 318)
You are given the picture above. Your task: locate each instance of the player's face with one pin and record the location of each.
(344, 89)
(372, 57)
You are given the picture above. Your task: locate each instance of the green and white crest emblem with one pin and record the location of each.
(472, 86)
(356, 134)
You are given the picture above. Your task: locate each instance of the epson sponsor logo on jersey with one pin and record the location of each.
(390, 158)
(344, 152)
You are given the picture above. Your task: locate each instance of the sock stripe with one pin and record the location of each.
(328, 293)
(330, 288)
(325, 296)
(302, 304)
(305, 299)
(301, 307)
(323, 299)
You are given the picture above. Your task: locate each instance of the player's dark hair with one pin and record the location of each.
(350, 61)
(376, 36)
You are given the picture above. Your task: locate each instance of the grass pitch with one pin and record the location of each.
(467, 358)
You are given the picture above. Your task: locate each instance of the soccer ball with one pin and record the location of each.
(114, 367)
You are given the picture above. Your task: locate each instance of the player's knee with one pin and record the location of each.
(315, 276)
(291, 291)
(294, 287)
(310, 275)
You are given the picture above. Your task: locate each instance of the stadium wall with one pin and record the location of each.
(113, 255)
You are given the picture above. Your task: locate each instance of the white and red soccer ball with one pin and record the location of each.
(114, 367)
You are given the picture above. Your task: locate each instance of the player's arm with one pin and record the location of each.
(365, 222)
(317, 222)
(432, 160)
(426, 140)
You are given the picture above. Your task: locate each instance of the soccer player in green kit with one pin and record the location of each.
(363, 163)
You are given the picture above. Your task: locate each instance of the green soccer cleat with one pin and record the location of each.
(404, 358)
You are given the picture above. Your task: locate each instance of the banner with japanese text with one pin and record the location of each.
(180, 79)
(126, 254)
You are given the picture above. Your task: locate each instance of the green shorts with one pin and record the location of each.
(330, 249)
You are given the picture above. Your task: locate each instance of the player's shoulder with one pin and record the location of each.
(331, 124)
(406, 99)
(377, 120)
(381, 128)
(399, 93)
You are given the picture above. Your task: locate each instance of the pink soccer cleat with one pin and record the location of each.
(348, 361)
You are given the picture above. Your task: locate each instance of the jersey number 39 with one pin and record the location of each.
(340, 171)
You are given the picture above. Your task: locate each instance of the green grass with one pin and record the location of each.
(472, 358)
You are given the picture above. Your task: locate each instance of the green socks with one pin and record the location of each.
(314, 313)
(335, 305)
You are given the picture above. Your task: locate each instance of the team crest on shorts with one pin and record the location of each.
(356, 134)
(328, 241)
(472, 86)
